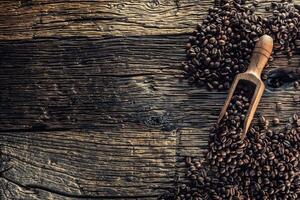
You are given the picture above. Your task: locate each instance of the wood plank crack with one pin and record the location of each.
(36, 189)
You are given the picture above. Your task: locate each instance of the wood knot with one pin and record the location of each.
(153, 4)
(24, 3)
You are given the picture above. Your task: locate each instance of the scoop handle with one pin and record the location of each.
(260, 55)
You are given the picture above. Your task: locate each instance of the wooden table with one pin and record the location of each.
(93, 104)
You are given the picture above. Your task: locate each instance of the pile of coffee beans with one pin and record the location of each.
(283, 26)
(264, 165)
(221, 46)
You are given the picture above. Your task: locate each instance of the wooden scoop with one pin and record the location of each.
(259, 59)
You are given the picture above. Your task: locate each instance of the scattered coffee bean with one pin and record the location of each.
(296, 85)
(278, 106)
(255, 3)
(296, 98)
(276, 121)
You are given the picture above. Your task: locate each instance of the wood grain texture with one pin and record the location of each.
(97, 18)
(100, 116)
(105, 117)
(29, 19)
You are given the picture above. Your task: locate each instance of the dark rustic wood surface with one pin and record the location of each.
(93, 104)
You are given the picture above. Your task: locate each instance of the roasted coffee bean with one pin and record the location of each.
(212, 40)
(296, 98)
(296, 84)
(278, 106)
(255, 3)
(276, 121)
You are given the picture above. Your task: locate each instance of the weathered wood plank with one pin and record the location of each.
(11, 190)
(83, 163)
(27, 19)
(102, 116)
(96, 18)
(101, 80)
(106, 117)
